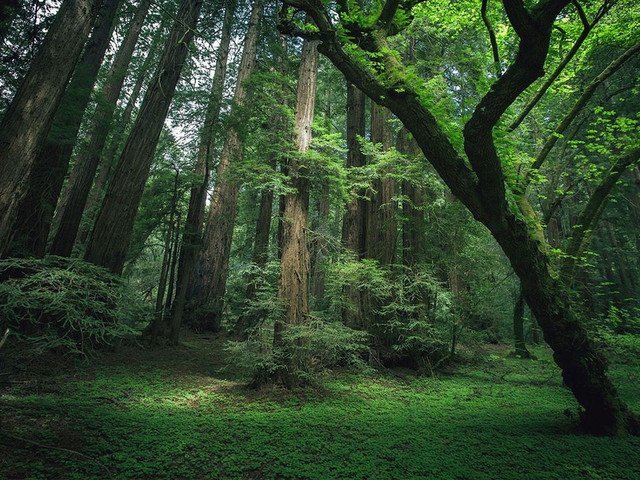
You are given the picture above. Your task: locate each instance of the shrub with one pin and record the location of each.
(65, 304)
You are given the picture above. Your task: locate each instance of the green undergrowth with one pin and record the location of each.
(175, 414)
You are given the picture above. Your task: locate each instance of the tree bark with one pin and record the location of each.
(192, 237)
(36, 210)
(293, 285)
(320, 251)
(414, 239)
(112, 232)
(224, 201)
(108, 161)
(354, 222)
(381, 209)
(80, 181)
(26, 123)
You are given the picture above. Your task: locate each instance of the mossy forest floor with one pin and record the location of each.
(172, 413)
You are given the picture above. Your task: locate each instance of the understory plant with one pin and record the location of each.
(65, 305)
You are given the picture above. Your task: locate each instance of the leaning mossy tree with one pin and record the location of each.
(356, 41)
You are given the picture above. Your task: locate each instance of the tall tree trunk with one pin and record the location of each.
(354, 222)
(320, 226)
(320, 249)
(381, 230)
(192, 237)
(112, 232)
(414, 227)
(414, 240)
(80, 181)
(381, 212)
(293, 286)
(108, 161)
(26, 123)
(36, 210)
(173, 269)
(224, 201)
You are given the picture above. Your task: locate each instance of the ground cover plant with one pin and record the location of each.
(180, 414)
(319, 239)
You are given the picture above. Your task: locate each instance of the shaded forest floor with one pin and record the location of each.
(174, 414)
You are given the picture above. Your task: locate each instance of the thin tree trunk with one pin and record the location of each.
(26, 123)
(293, 286)
(591, 213)
(173, 271)
(192, 237)
(588, 92)
(156, 323)
(51, 165)
(320, 249)
(112, 232)
(169, 251)
(260, 256)
(79, 184)
(320, 227)
(354, 222)
(224, 201)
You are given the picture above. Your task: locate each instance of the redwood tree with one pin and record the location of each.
(81, 178)
(112, 231)
(192, 237)
(26, 123)
(224, 200)
(45, 182)
(293, 286)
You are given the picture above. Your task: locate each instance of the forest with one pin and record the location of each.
(320, 239)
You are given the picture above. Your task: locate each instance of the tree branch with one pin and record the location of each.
(588, 27)
(591, 213)
(492, 38)
(578, 106)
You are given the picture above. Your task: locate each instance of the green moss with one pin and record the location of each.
(166, 414)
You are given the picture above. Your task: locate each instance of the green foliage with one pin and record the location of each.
(171, 414)
(324, 344)
(65, 305)
(407, 323)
